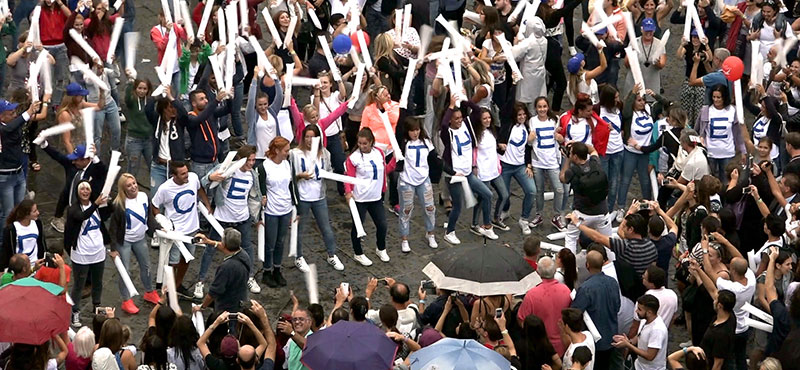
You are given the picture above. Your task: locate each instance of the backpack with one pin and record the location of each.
(592, 184)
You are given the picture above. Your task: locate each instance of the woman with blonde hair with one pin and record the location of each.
(128, 225)
(70, 112)
(388, 66)
(379, 101)
(278, 187)
(581, 80)
(482, 79)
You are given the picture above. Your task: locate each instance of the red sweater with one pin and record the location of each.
(600, 130)
(161, 39)
(51, 26)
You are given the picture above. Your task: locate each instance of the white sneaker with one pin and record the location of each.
(405, 247)
(76, 320)
(432, 241)
(620, 215)
(31, 195)
(362, 259)
(334, 261)
(301, 264)
(452, 238)
(253, 286)
(198, 290)
(504, 215)
(523, 224)
(572, 51)
(383, 255)
(489, 233)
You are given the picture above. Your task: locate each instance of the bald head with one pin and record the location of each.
(594, 261)
(739, 266)
(247, 356)
(19, 264)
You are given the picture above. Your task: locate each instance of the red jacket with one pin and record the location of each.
(51, 25)
(161, 39)
(600, 130)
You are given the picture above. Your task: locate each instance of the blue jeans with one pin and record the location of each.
(718, 169)
(558, 190)
(481, 192)
(527, 184)
(202, 169)
(246, 229)
(424, 193)
(138, 150)
(276, 229)
(320, 210)
(337, 158)
(110, 116)
(502, 196)
(634, 162)
(612, 166)
(60, 72)
(12, 192)
(158, 176)
(142, 254)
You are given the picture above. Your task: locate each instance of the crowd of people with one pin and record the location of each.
(416, 102)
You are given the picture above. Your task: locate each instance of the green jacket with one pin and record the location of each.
(138, 124)
(9, 28)
(183, 64)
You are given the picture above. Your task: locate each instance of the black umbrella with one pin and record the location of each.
(482, 271)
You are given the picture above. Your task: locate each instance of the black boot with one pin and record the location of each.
(279, 277)
(268, 278)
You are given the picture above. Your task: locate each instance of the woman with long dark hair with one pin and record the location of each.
(716, 125)
(23, 233)
(610, 110)
(99, 27)
(637, 129)
(537, 349)
(488, 169)
(182, 350)
(111, 337)
(515, 161)
(140, 129)
(414, 180)
(545, 158)
(155, 358)
(566, 269)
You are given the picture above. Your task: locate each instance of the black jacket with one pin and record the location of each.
(177, 151)
(11, 140)
(10, 244)
(75, 217)
(96, 175)
(229, 287)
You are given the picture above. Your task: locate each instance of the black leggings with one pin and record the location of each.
(378, 214)
(569, 26)
(553, 65)
(80, 273)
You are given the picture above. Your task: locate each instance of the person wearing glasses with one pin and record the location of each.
(298, 330)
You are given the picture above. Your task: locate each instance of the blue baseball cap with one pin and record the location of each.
(75, 89)
(574, 63)
(6, 106)
(78, 153)
(694, 32)
(648, 25)
(601, 31)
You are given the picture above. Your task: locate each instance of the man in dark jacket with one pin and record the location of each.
(230, 281)
(78, 167)
(203, 129)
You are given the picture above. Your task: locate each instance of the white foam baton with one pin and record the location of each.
(608, 21)
(5, 11)
(112, 46)
(224, 166)
(261, 57)
(126, 278)
(314, 151)
(696, 21)
(89, 74)
(425, 35)
(233, 167)
(510, 59)
(631, 30)
(311, 284)
(201, 29)
(113, 171)
(232, 23)
(33, 31)
(222, 26)
(788, 45)
(290, 30)
(661, 46)
(178, 14)
(188, 26)
(88, 129)
(230, 67)
(167, 11)
(364, 51)
(758, 325)
(343, 178)
(392, 139)
(197, 321)
(53, 131)
(747, 307)
(517, 10)
(458, 40)
(475, 17)
(174, 236)
(172, 294)
(530, 12)
(636, 71)
(737, 94)
(561, 235)
(654, 183)
(83, 44)
(216, 69)
(756, 64)
(469, 197)
(131, 42)
(261, 235)
(406, 21)
(305, 81)
(293, 233)
(398, 27)
(244, 14)
(587, 320)
(312, 13)
(604, 18)
(47, 74)
(329, 57)
(210, 218)
(356, 219)
(354, 56)
(412, 67)
(687, 25)
(288, 80)
(588, 33)
(357, 85)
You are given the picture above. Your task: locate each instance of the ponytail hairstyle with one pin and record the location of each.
(550, 113)
(367, 134)
(276, 145)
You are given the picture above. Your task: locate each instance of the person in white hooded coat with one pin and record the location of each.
(530, 53)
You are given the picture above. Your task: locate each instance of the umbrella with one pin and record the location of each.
(31, 314)
(461, 354)
(349, 345)
(482, 270)
(55, 289)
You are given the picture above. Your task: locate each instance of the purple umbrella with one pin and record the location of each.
(349, 345)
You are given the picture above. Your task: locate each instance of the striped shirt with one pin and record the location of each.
(640, 253)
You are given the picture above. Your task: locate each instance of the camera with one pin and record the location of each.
(747, 190)
(498, 312)
(197, 240)
(702, 56)
(428, 286)
(48, 260)
(712, 238)
(233, 316)
(345, 287)
(644, 206)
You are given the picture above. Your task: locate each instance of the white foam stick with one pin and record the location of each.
(553, 248)
(469, 197)
(601, 14)
(187, 256)
(357, 85)
(354, 56)
(187, 24)
(261, 235)
(230, 65)
(406, 21)
(311, 284)
(758, 325)
(222, 28)
(52, 131)
(561, 235)
(343, 178)
(47, 74)
(661, 46)
(788, 44)
(412, 63)
(210, 218)
(290, 30)
(114, 38)
(392, 139)
(654, 183)
(362, 43)
(510, 59)
(232, 20)
(631, 31)
(174, 236)
(487, 3)
(90, 75)
(293, 233)
(33, 31)
(167, 11)
(163, 252)
(110, 178)
(398, 26)
(315, 144)
(201, 29)
(83, 44)
(131, 43)
(517, 10)
(164, 222)
(530, 12)
(178, 14)
(288, 79)
(636, 71)
(244, 14)
(608, 21)
(126, 278)
(172, 293)
(687, 24)
(737, 94)
(587, 32)
(216, 69)
(591, 327)
(455, 36)
(228, 160)
(312, 13)
(356, 219)
(233, 167)
(756, 69)
(88, 129)
(425, 34)
(474, 17)
(696, 21)
(329, 56)
(305, 81)
(261, 57)
(273, 31)
(197, 320)
(747, 307)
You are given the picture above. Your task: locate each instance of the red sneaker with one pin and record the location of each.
(152, 297)
(129, 307)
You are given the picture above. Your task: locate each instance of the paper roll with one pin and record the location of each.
(110, 179)
(362, 43)
(601, 14)
(273, 31)
(737, 93)
(357, 86)
(458, 40)
(311, 284)
(329, 57)
(197, 320)
(527, 15)
(52, 131)
(172, 293)
(126, 278)
(210, 218)
(201, 30)
(356, 219)
(290, 30)
(635, 68)
(83, 44)
(469, 197)
(131, 43)
(288, 80)
(187, 25)
(412, 63)
(118, 23)
(343, 178)
(293, 234)
(312, 13)
(88, 129)
(261, 236)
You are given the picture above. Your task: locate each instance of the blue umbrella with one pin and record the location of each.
(349, 345)
(461, 354)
